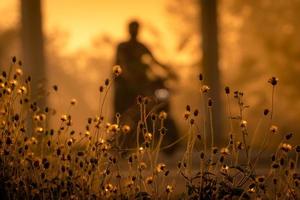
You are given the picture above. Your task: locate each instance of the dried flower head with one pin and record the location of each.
(19, 72)
(73, 102)
(297, 148)
(266, 111)
(251, 190)
(187, 114)
(288, 136)
(87, 133)
(286, 147)
(55, 88)
(227, 90)
(209, 102)
(33, 140)
(39, 129)
(162, 115)
(142, 166)
(125, 128)
(225, 151)
(215, 150)
(148, 136)
(273, 81)
(163, 131)
(200, 77)
(117, 70)
(149, 180)
(64, 118)
(243, 124)
(273, 129)
(141, 150)
(161, 167)
(260, 179)
(114, 128)
(205, 88)
(224, 169)
(169, 189)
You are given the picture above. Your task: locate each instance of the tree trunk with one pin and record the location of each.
(210, 62)
(33, 47)
(33, 51)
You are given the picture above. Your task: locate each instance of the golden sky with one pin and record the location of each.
(83, 21)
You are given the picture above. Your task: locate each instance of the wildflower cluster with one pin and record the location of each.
(42, 162)
(231, 172)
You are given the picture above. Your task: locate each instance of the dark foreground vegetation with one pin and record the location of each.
(42, 162)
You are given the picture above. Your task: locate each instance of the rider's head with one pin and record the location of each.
(133, 29)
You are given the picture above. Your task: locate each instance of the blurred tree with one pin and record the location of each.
(210, 60)
(33, 48)
(265, 44)
(8, 45)
(199, 17)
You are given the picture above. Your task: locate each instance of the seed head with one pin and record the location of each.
(142, 166)
(87, 133)
(117, 70)
(192, 121)
(205, 88)
(149, 180)
(19, 72)
(266, 112)
(39, 130)
(163, 130)
(286, 147)
(224, 169)
(196, 112)
(188, 108)
(225, 151)
(14, 59)
(169, 189)
(162, 115)
(215, 150)
(288, 136)
(101, 88)
(209, 102)
(73, 102)
(260, 179)
(153, 116)
(273, 129)
(141, 150)
(106, 82)
(161, 167)
(227, 90)
(125, 129)
(70, 141)
(297, 148)
(148, 136)
(202, 155)
(187, 114)
(273, 81)
(64, 118)
(113, 128)
(251, 190)
(200, 77)
(55, 88)
(22, 90)
(243, 124)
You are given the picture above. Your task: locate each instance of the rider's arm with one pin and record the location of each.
(165, 67)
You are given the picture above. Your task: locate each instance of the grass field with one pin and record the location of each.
(40, 162)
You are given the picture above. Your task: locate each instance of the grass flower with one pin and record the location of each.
(62, 163)
(117, 70)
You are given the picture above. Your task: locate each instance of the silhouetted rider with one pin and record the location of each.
(135, 59)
